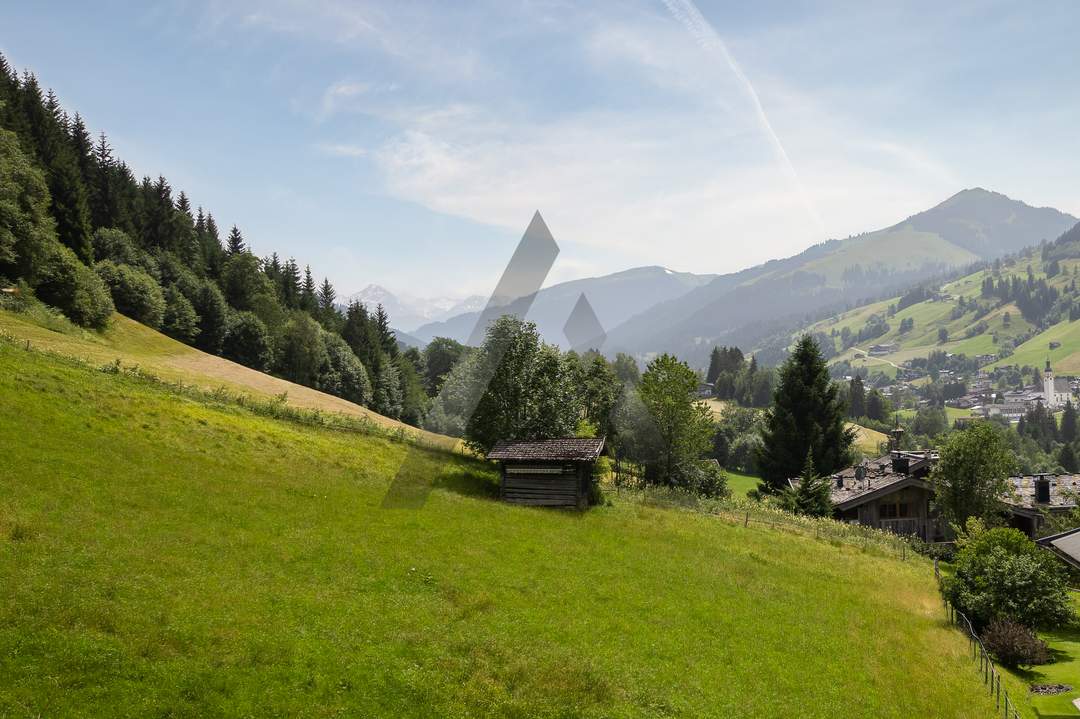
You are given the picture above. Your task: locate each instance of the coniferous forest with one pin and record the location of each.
(81, 233)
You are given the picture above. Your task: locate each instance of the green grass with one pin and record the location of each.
(162, 555)
(1034, 352)
(1065, 649)
(741, 484)
(930, 316)
(136, 344)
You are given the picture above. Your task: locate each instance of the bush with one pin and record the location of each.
(248, 342)
(1014, 645)
(1001, 574)
(74, 289)
(135, 293)
(180, 321)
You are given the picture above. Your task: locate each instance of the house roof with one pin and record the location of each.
(566, 449)
(1066, 545)
(879, 476)
(1064, 489)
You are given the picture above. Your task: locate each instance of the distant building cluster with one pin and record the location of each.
(894, 493)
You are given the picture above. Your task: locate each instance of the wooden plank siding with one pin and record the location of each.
(544, 484)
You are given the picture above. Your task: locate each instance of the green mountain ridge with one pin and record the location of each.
(743, 308)
(958, 316)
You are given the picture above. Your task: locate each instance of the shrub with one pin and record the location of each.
(1001, 574)
(135, 293)
(74, 289)
(180, 321)
(248, 341)
(1014, 645)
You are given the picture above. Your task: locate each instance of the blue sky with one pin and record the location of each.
(407, 144)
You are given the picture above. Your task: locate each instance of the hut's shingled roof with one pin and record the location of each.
(569, 449)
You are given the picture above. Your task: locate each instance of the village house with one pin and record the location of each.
(894, 493)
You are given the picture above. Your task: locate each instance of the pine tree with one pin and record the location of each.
(51, 145)
(807, 416)
(183, 204)
(1067, 458)
(235, 244)
(387, 340)
(856, 398)
(714, 365)
(1068, 423)
(213, 253)
(327, 295)
(103, 198)
(83, 148)
(290, 285)
(308, 292)
(812, 495)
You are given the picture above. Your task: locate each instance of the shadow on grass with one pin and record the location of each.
(425, 469)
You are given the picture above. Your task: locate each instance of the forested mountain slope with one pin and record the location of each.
(82, 233)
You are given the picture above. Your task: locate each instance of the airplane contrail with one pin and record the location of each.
(687, 13)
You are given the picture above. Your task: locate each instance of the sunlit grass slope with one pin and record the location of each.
(161, 555)
(136, 344)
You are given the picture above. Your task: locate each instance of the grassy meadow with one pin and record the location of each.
(930, 316)
(135, 344)
(1065, 649)
(163, 554)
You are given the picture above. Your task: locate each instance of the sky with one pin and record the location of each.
(408, 144)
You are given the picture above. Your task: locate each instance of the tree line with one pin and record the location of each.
(81, 233)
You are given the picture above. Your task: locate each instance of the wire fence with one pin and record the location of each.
(990, 675)
(750, 513)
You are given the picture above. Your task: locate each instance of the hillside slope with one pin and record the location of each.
(972, 225)
(161, 555)
(983, 326)
(136, 344)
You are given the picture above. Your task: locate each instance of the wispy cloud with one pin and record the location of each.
(342, 149)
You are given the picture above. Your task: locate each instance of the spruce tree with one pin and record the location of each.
(309, 301)
(327, 295)
(387, 340)
(290, 285)
(1068, 423)
(1067, 458)
(812, 495)
(235, 244)
(714, 365)
(856, 398)
(807, 416)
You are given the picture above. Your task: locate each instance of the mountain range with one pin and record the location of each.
(647, 310)
(614, 299)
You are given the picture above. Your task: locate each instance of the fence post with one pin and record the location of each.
(746, 522)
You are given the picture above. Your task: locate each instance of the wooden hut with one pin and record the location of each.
(548, 472)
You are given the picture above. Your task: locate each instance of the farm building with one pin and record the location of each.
(548, 472)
